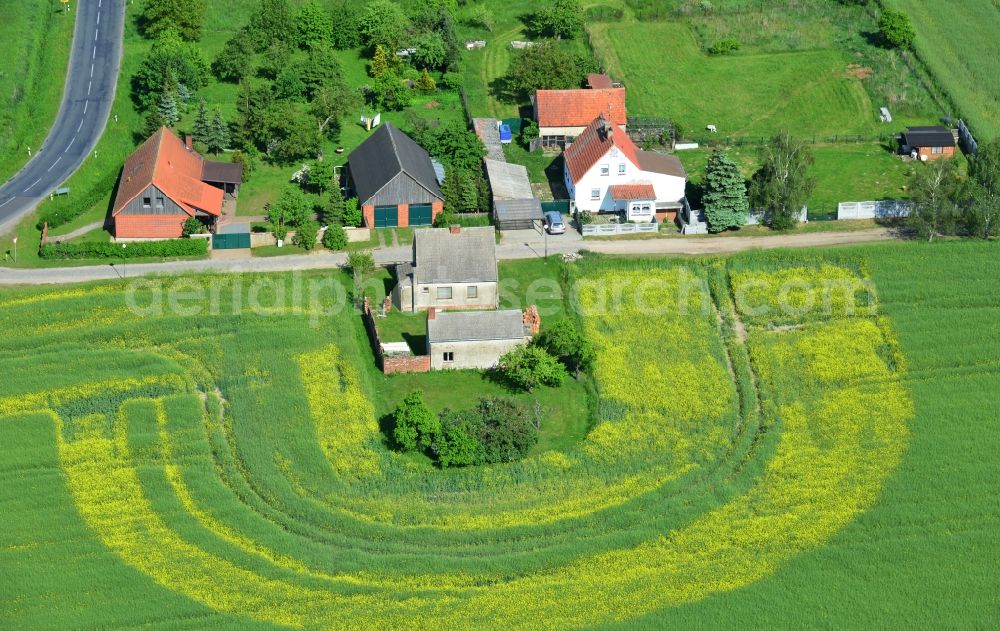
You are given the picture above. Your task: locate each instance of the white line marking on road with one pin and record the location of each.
(91, 70)
(32, 184)
(80, 126)
(6, 202)
(94, 56)
(71, 141)
(89, 84)
(54, 164)
(96, 31)
(85, 104)
(98, 16)
(99, 3)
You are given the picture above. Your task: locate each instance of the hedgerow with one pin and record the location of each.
(139, 249)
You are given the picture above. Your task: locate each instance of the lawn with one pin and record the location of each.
(227, 465)
(37, 35)
(807, 92)
(843, 173)
(960, 43)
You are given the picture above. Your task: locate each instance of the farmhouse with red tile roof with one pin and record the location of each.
(562, 115)
(605, 172)
(164, 183)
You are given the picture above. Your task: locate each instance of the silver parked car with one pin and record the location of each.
(554, 223)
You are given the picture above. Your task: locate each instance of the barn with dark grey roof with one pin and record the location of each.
(394, 180)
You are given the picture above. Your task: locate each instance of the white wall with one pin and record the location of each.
(487, 297)
(478, 355)
(668, 188)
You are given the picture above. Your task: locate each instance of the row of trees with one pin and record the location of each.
(780, 186)
(946, 204)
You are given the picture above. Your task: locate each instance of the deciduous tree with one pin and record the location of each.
(546, 66)
(415, 425)
(782, 184)
(383, 23)
(983, 214)
(170, 61)
(559, 18)
(313, 24)
(271, 22)
(933, 191)
(184, 16)
(235, 61)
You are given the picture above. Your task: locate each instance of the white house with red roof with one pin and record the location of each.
(562, 115)
(606, 173)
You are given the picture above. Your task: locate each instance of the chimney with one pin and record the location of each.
(431, 313)
(187, 142)
(455, 229)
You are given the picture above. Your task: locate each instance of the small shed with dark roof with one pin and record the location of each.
(394, 180)
(928, 142)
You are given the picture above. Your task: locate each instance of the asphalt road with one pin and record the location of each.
(509, 248)
(87, 97)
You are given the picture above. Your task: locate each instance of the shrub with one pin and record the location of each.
(896, 29)
(352, 213)
(415, 425)
(527, 367)
(193, 226)
(585, 217)
(451, 80)
(306, 235)
(724, 46)
(140, 249)
(335, 238)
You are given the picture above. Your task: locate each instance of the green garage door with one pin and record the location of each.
(421, 214)
(386, 216)
(233, 241)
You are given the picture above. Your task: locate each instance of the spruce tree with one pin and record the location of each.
(725, 197)
(218, 137)
(333, 213)
(202, 127)
(154, 120)
(167, 108)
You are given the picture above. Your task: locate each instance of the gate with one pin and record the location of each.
(421, 214)
(386, 216)
(234, 241)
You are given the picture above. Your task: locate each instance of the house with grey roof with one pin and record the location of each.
(394, 180)
(474, 339)
(452, 268)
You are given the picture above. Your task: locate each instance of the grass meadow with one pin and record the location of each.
(37, 35)
(800, 467)
(960, 43)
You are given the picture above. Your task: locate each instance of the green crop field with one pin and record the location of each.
(36, 36)
(802, 439)
(960, 42)
(667, 74)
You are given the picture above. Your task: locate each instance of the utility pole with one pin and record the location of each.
(15, 250)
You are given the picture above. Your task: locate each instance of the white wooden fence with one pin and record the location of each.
(884, 209)
(758, 217)
(613, 229)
